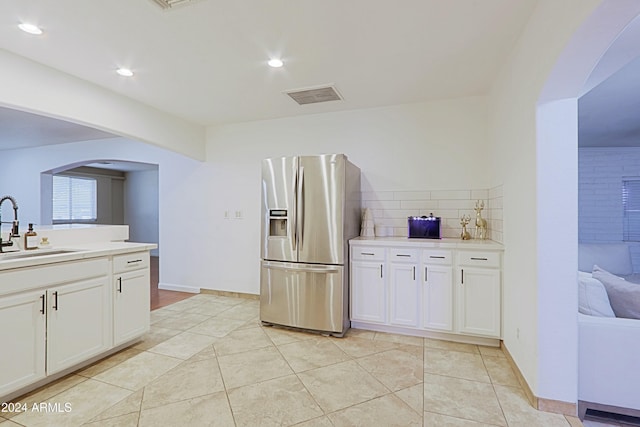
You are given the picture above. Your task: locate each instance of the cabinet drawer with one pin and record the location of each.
(22, 279)
(479, 259)
(436, 257)
(403, 255)
(129, 262)
(370, 253)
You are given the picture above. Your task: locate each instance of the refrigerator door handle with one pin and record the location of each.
(301, 202)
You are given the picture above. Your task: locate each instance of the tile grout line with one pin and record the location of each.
(495, 393)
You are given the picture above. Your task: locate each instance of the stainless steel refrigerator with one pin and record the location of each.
(310, 209)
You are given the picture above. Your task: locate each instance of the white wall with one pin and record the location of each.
(141, 208)
(415, 148)
(533, 152)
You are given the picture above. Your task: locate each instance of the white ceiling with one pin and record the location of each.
(206, 61)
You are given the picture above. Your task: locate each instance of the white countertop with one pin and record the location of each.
(428, 243)
(76, 252)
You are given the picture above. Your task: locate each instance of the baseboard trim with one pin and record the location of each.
(467, 339)
(229, 294)
(178, 288)
(541, 404)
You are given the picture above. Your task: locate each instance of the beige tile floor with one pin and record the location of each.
(208, 361)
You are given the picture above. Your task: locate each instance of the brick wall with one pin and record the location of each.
(600, 175)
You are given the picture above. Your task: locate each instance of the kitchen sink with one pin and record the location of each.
(32, 254)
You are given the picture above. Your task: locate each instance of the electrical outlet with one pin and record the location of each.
(238, 214)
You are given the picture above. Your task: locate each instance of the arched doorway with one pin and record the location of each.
(585, 62)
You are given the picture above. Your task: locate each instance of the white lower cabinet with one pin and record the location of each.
(130, 296)
(427, 286)
(438, 297)
(368, 292)
(404, 287)
(56, 316)
(479, 301)
(368, 288)
(23, 333)
(78, 322)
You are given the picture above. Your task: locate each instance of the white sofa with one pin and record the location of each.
(609, 347)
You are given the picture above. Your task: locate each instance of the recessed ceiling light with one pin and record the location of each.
(275, 63)
(30, 28)
(124, 72)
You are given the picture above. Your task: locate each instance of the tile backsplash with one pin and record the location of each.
(391, 209)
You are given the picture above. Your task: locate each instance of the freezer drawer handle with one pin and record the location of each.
(478, 259)
(307, 269)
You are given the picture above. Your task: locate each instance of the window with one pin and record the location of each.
(74, 199)
(631, 208)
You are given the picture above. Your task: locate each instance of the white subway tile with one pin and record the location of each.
(377, 195)
(418, 204)
(451, 195)
(495, 192)
(412, 195)
(480, 194)
(381, 204)
(456, 204)
(400, 213)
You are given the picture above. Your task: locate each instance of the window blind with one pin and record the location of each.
(631, 207)
(74, 199)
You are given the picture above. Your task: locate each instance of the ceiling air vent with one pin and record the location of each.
(168, 4)
(313, 95)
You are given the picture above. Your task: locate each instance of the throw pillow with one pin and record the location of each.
(592, 297)
(624, 296)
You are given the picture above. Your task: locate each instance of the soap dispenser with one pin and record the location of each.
(30, 239)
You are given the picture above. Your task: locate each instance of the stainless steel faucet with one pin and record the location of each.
(14, 226)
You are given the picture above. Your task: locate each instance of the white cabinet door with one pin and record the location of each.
(130, 305)
(22, 339)
(478, 291)
(79, 322)
(404, 286)
(368, 292)
(438, 297)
